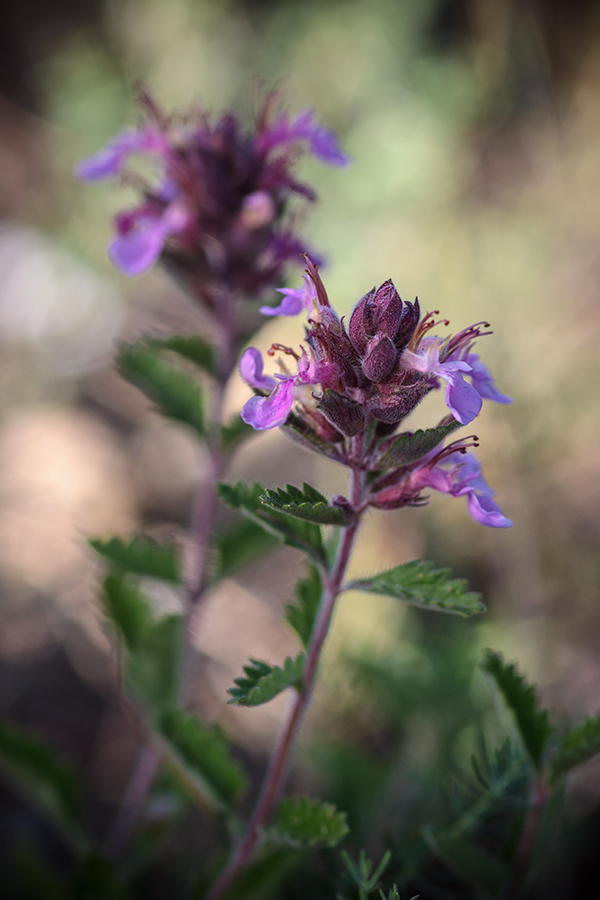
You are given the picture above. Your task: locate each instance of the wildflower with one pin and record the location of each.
(217, 210)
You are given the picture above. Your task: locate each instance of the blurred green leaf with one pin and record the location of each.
(409, 446)
(176, 394)
(301, 615)
(239, 546)
(263, 682)
(264, 875)
(38, 771)
(153, 667)
(303, 535)
(581, 743)
(205, 750)
(235, 433)
(474, 866)
(190, 347)
(141, 557)
(128, 608)
(420, 584)
(311, 823)
(521, 698)
(306, 504)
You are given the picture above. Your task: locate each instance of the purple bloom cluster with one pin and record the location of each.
(352, 387)
(217, 210)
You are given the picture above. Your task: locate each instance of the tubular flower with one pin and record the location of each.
(217, 209)
(353, 386)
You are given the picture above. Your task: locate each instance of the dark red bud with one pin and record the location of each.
(360, 326)
(394, 405)
(388, 309)
(380, 358)
(411, 313)
(345, 414)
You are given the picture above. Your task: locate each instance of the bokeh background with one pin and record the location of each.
(474, 127)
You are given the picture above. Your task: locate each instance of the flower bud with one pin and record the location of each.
(360, 326)
(388, 309)
(380, 358)
(347, 415)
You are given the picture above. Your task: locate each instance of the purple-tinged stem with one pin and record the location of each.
(282, 754)
(133, 802)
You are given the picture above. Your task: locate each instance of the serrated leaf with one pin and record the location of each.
(521, 698)
(36, 768)
(303, 535)
(239, 546)
(189, 347)
(141, 557)
(474, 866)
(205, 750)
(420, 584)
(153, 667)
(176, 394)
(262, 682)
(306, 503)
(301, 615)
(409, 446)
(128, 608)
(235, 433)
(310, 823)
(581, 743)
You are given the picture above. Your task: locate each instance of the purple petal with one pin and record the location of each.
(291, 305)
(463, 401)
(483, 382)
(135, 252)
(485, 510)
(251, 370)
(269, 412)
(110, 160)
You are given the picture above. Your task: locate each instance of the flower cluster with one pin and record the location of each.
(352, 388)
(217, 210)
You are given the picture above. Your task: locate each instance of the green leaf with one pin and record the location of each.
(153, 668)
(306, 504)
(263, 682)
(301, 615)
(303, 535)
(235, 433)
(419, 584)
(190, 347)
(205, 750)
(581, 743)
(476, 867)
(176, 395)
(521, 698)
(128, 608)
(301, 433)
(307, 822)
(239, 546)
(141, 557)
(35, 767)
(409, 446)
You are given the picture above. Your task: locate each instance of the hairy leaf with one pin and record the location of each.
(303, 535)
(301, 615)
(311, 823)
(141, 557)
(476, 867)
(128, 608)
(262, 682)
(34, 766)
(577, 746)
(205, 750)
(419, 584)
(239, 546)
(409, 446)
(189, 347)
(307, 504)
(521, 698)
(301, 433)
(176, 394)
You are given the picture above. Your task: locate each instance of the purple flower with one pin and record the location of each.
(109, 161)
(294, 301)
(483, 382)
(462, 399)
(322, 142)
(142, 237)
(264, 413)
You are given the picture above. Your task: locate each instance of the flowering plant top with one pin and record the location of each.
(217, 210)
(353, 387)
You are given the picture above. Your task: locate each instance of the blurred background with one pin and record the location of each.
(474, 127)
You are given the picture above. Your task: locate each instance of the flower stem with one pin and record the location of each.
(284, 749)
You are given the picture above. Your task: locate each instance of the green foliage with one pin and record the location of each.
(205, 750)
(264, 875)
(475, 867)
(303, 535)
(128, 608)
(409, 446)
(581, 743)
(307, 822)
(306, 504)
(301, 615)
(263, 682)
(521, 698)
(235, 433)
(34, 766)
(419, 584)
(176, 394)
(361, 873)
(141, 557)
(190, 347)
(239, 546)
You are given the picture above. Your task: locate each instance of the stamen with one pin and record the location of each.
(313, 273)
(281, 348)
(460, 446)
